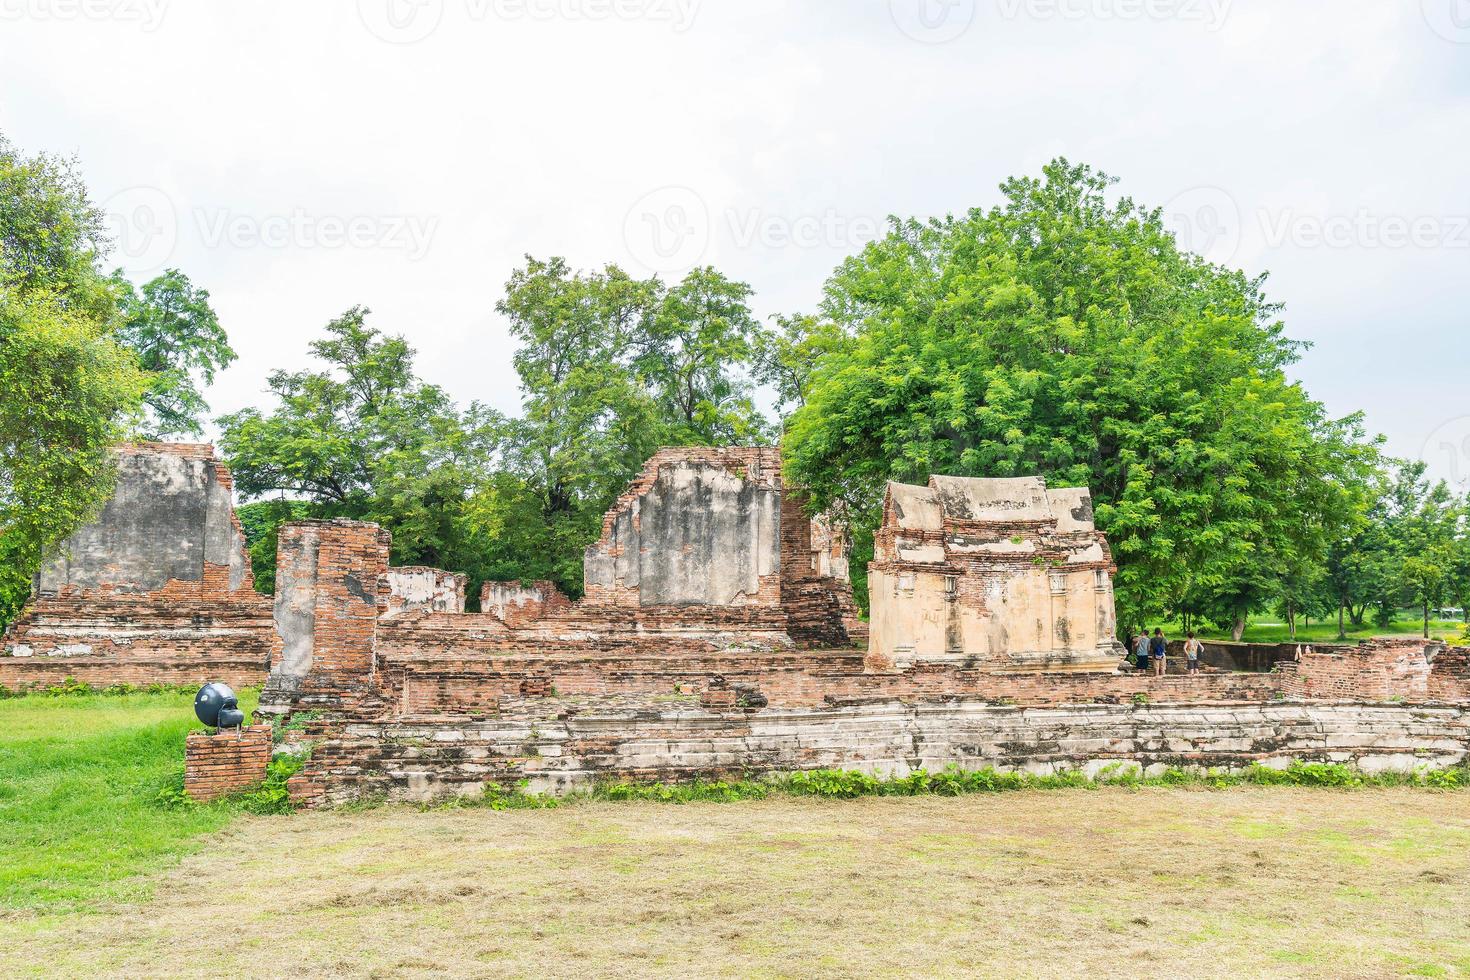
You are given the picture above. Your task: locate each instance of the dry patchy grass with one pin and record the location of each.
(1150, 882)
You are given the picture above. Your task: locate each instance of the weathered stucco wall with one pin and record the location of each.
(698, 528)
(170, 519)
(999, 573)
(419, 589)
(157, 590)
(516, 604)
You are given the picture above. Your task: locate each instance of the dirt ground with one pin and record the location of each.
(1244, 882)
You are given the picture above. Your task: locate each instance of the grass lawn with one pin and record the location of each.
(1152, 882)
(1266, 631)
(78, 780)
(97, 880)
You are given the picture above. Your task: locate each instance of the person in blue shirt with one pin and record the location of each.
(1159, 647)
(1140, 650)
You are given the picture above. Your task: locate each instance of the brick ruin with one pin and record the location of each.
(157, 590)
(994, 574)
(718, 637)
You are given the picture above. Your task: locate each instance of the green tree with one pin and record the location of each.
(697, 354)
(364, 438)
(68, 390)
(179, 341)
(787, 356)
(589, 420)
(1425, 524)
(1362, 561)
(1063, 335)
(52, 237)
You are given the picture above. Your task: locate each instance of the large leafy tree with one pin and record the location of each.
(698, 344)
(1425, 524)
(1063, 334)
(362, 437)
(612, 367)
(787, 354)
(68, 389)
(177, 336)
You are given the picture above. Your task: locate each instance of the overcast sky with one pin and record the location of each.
(297, 158)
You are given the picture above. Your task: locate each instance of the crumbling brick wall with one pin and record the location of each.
(419, 759)
(519, 605)
(1376, 670)
(1449, 675)
(331, 589)
(157, 590)
(226, 762)
(420, 589)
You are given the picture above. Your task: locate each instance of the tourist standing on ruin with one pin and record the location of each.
(1192, 649)
(1160, 649)
(1140, 650)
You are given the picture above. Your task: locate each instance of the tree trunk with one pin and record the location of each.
(1341, 632)
(1238, 629)
(1291, 621)
(1426, 619)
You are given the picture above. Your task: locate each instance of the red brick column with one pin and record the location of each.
(227, 762)
(331, 587)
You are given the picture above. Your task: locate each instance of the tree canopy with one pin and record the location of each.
(70, 388)
(178, 340)
(1062, 334)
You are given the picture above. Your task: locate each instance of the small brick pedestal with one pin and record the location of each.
(225, 763)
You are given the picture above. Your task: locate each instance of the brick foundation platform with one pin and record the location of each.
(227, 762)
(424, 759)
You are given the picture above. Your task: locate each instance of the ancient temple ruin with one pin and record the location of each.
(158, 589)
(996, 574)
(718, 637)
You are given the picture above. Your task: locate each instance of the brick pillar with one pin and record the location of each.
(331, 586)
(227, 762)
